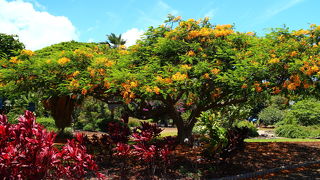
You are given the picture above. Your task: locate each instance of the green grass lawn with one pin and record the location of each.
(282, 140)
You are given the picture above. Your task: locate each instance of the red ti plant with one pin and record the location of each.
(27, 152)
(147, 148)
(123, 153)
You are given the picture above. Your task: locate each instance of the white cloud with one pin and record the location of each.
(90, 40)
(211, 13)
(131, 36)
(157, 14)
(35, 29)
(277, 10)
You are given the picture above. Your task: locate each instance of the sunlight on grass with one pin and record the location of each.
(282, 140)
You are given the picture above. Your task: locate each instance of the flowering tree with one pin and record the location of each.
(61, 74)
(193, 66)
(190, 66)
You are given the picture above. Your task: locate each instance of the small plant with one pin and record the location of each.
(253, 131)
(236, 138)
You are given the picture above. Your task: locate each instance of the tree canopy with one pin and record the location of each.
(189, 66)
(9, 45)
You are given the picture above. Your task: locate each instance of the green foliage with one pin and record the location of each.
(48, 123)
(93, 115)
(305, 112)
(9, 45)
(115, 40)
(210, 125)
(133, 122)
(292, 131)
(279, 102)
(253, 131)
(271, 115)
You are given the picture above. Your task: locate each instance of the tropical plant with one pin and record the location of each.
(115, 40)
(27, 151)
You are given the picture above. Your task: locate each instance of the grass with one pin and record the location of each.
(282, 140)
(169, 132)
(164, 134)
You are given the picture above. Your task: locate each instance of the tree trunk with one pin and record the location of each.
(185, 134)
(61, 108)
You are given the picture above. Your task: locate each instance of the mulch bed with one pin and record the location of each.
(188, 163)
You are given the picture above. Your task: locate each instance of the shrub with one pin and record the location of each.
(28, 152)
(270, 115)
(133, 122)
(47, 123)
(235, 141)
(305, 113)
(292, 131)
(252, 130)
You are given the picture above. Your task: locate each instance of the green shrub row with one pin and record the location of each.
(297, 131)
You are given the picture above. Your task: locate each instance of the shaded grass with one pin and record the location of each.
(282, 140)
(164, 134)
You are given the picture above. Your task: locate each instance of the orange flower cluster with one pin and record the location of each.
(82, 53)
(76, 73)
(154, 89)
(310, 67)
(257, 87)
(300, 32)
(127, 94)
(179, 77)
(15, 60)
(203, 32)
(74, 84)
(63, 60)
(250, 33)
(206, 76)
(163, 80)
(217, 92)
(105, 61)
(186, 67)
(27, 52)
(244, 86)
(223, 30)
(276, 90)
(215, 71)
(293, 53)
(106, 84)
(293, 83)
(274, 61)
(191, 53)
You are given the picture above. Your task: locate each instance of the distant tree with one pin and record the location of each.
(9, 45)
(115, 40)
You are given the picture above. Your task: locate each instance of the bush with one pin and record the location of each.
(133, 122)
(271, 115)
(28, 152)
(292, 131)
(252, 130)
(47, 123)
(305, 113)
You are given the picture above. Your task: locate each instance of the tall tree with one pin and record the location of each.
(9, 45)
(116, 41)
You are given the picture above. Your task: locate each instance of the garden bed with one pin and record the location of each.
(187, 162)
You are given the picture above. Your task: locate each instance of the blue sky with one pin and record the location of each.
(85, 20)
